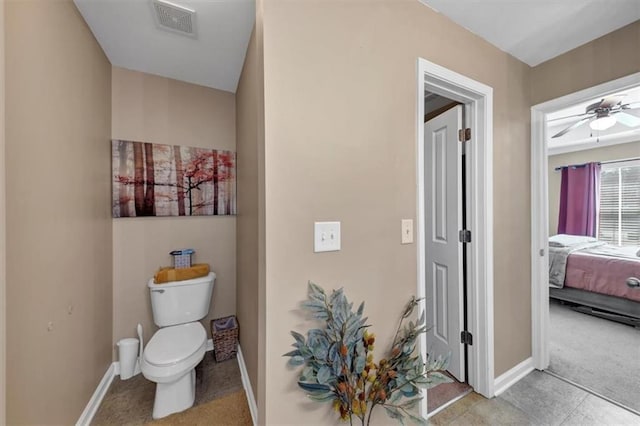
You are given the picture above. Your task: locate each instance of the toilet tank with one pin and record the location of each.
(180, 302)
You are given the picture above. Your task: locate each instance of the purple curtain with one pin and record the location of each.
(579, 200)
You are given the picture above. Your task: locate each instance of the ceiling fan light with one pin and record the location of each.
(603, 123)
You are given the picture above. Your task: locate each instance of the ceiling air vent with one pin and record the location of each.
(174, 18)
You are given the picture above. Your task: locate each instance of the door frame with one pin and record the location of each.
(540, 208)
(478, 100)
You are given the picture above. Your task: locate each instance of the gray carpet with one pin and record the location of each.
(601, 355)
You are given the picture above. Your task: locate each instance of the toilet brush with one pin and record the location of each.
(139, 361)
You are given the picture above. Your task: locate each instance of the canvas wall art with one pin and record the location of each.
(169, 180)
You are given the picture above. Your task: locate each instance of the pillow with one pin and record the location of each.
(565, 240)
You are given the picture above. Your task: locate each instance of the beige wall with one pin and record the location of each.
(3, 275)
(607, 153)
(247, 306)
(261, 392)
(155, 109)
(251, 291)
(58, 114)
(340, 129)
(611, 56)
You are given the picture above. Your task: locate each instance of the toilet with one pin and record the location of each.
(170, 357)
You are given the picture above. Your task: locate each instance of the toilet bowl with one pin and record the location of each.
(169, 360)
(173, 352)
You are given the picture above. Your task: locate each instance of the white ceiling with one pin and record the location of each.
(531, 30)
(535, 31)
(128, 34)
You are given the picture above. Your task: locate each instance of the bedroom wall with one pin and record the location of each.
(609, 57)
(150, 108)
(608, 153)
(59, 282)
(340, 129)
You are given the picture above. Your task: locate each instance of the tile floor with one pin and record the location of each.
(130, 402)
(538, 399)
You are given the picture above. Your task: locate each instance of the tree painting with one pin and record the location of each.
(162, 180)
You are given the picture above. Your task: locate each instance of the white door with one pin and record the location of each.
(443, 250)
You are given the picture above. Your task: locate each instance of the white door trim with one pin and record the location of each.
(479, 100)
(540, 208)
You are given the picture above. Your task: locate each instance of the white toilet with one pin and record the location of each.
(170, 357)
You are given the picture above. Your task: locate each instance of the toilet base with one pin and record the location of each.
(175, 396)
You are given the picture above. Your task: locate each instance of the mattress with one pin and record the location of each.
(601, 273)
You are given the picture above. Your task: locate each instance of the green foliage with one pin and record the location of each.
(339, 367)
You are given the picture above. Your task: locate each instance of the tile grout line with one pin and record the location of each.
(516, 404)
(592, 392)
(564, 420)
(530, 417)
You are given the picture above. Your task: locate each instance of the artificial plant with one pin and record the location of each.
(339, 366)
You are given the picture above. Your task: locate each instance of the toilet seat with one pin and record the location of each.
(171, 345)
(165, 360)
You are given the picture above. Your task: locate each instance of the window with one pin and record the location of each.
(619, 220)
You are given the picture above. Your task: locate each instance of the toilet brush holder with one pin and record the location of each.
(128, 357)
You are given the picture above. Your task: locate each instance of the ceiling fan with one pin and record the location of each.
(604, 114)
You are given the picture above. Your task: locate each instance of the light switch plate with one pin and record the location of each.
(407, 231)
(326, 236)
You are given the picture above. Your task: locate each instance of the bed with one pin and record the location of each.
(598, 278)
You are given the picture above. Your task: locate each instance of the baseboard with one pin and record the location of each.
(253, 407)
(511, 377)
(90, 410)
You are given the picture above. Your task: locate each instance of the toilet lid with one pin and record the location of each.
(173, 344)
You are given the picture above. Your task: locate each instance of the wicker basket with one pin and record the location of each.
(224, 333)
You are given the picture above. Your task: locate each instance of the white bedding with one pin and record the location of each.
(566, 240)
(558, 255)
(627, 252)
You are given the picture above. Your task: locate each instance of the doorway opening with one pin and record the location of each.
(573, 303)
(477, 103)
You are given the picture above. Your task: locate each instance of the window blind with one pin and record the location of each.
(619, 218)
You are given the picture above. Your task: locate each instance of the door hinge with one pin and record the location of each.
(465, 236)
(466, 338)
(464, 134)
